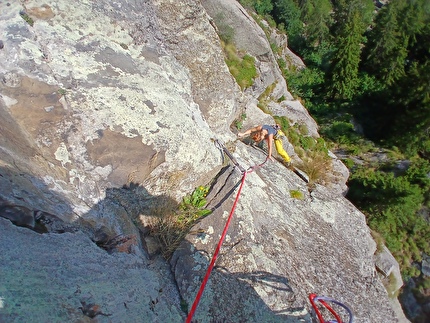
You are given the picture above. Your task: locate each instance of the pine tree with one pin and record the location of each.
(316, 16)
(288, 13)
(343, 74)
(263, 6)
(395, 31)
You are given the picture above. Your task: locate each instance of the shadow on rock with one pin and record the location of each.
(236, 294)
(92, 267)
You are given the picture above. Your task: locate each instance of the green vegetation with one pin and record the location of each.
(26, 18)
(172, 222)
(391, 204)
(366, 83)
(391, 285)
(184, 306)
(239, 121)
(264, 99)
(241, 66)
(296, 194)
(225, 32)
(191, 206)
(61, 92)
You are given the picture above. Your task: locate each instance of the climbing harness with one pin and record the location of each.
(323, 300)
(291, 167)
(244, 172)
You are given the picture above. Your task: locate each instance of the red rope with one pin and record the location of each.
(215, 255)
(322, 299)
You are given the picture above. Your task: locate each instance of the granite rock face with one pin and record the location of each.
(109, 108)
(281, 247)
(60, 277)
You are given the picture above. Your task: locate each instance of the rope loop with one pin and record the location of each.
(323, 300)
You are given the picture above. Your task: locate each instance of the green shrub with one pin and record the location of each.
(265, 98)
(302, 83)
(293, 137)
(321, 145)
(283, 122)
(282, 64)
(307, 143)
(341, 132)
(282, 98)
(348, 162)
(171, 223)
(61, 92)
(239, 121)
(192, 205)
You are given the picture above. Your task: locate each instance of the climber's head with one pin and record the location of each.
(257, 136)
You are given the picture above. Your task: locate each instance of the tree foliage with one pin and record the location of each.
(396, 27)
(391, 204)
(287, 12)
(316, 17)
(343, 74)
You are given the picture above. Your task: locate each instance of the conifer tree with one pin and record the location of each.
(343, 74)
(395, 30)
(316, 16)
(288, 13)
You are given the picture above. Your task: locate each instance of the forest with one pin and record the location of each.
(367, 84)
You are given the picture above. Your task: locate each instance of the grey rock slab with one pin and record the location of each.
(48, 278)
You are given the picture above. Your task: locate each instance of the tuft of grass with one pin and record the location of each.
(239, 121)
(390, 285)
(296, 194)
(308, 143)
(61, 92)
(241, 66)
(317, 165)
(26, 18)
(184, 306)
(303, 129)
(172, 222)
(265, 98)
(282, 98)
(379, 239)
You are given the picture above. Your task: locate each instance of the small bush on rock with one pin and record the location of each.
(170, 225)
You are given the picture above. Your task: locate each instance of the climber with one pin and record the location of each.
(269, 132)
